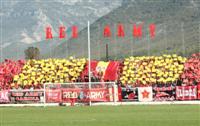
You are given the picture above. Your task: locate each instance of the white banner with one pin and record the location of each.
(4, 97)
(145, 94)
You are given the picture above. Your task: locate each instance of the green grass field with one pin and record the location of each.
(142, 115)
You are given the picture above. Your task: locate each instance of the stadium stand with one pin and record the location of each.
(37, 72)
(191, 73)
(135, 71)
(8, 69)
(152, 69)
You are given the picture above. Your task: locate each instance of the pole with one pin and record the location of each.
(148, 44)
(183, 38)
(107, 52)
(199, 36)
(44, 95)
(115, 92)
(165, 34)
(1, 44)
(89, 60)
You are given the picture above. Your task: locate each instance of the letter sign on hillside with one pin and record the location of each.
(152, 28)
(74, 31)
(120, 30)
(136, 31)
(106, 31)
(62, 33)
(48, 33)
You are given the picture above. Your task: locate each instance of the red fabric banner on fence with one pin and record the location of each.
(53, 96)
(4, 96)
(97, 94)
(198, 92)
(83, 95)
(186, 92)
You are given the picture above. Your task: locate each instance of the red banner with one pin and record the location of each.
(97, 94)
(198, 92)
(186, 92)
(83, 95)
(4, 97)
(111, 72)
(53, 96)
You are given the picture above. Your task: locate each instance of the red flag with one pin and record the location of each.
(93, 68)
(198, 91)
(111, 72)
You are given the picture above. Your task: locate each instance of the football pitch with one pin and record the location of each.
(140, 115)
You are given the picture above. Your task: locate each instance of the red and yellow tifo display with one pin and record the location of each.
(137, 71)
(8, 69)
(191, 73)
(36, 72)
(152, 69)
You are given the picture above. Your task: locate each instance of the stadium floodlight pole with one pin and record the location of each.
(89, 61)
(44, 95)
(1, 44)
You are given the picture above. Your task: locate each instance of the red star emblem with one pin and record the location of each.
(145, 94)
